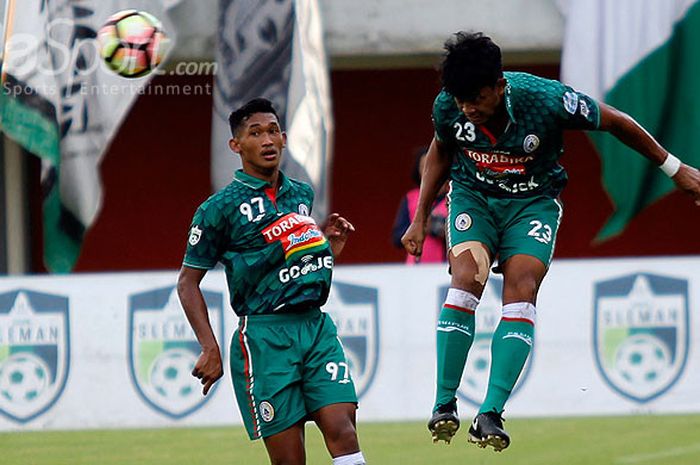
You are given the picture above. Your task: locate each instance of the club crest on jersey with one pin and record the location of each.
(641, 333)
(463, 222)
(531, 143)
(34, 352)
(163, 350)
(570, 102)
(195, 235)
(267, 411)
(355, 311)
(475, 378)
(303, 209)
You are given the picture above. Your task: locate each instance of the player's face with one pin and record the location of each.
(482, 108)
(259, 143)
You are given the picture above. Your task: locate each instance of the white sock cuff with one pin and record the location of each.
(520, 311)
(461, 299)
(351, 459)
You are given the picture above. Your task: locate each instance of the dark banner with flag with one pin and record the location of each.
(61, 103)
(274, 49)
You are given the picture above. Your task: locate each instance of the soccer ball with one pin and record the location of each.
(132, 43)
(24, 377)
(643, 360)
(171, 374)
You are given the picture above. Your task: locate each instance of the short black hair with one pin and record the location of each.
(258, 105)
(471, 62)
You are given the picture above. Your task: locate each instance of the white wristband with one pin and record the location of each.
(670, 166)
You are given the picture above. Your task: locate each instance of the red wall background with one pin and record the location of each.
(157, 172)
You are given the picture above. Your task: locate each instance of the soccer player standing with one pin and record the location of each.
(287, 363)
(498, 137)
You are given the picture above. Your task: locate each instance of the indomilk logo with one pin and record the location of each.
(34, 352)
(475, 378)
(354, 310)
(640, 333)
(296, 233)
(163, 350)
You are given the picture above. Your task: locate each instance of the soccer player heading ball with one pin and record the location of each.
(286, 361)
(498, 137)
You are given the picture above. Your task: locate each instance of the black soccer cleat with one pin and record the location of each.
(487, 430)
(444, 423)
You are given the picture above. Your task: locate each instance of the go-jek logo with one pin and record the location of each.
(163, 350)
(641, 333)
(34, 352)
(475, 378)
(354, 310)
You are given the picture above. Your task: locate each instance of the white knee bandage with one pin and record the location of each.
(520, 311)
(351, 459)
(462, 299)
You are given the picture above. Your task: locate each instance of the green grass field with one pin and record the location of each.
(658, 440)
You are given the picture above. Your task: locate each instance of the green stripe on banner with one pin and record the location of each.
(30, 128)
(659, 93)
(62, 234)
(39, 135)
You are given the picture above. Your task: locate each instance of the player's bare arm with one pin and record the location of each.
(208, 368)
(337, 230)
(436, 171)
(632, 134)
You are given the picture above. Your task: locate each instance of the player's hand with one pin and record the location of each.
(413, 238)
(208, 368)
(337, 231)
(688, 179)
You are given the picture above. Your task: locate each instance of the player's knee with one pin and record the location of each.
(523, 289)
(470, 263)
(343, 435)
(287, 458)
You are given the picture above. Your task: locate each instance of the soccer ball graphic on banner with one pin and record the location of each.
(643, 359)
(23, 378)
(171, 375)
(132, 43)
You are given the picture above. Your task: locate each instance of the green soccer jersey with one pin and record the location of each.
(523, 161)
(275, 256)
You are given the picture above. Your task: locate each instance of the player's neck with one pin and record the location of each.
(269, 176)
(497, 124)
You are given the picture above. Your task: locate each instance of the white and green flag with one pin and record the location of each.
(60, 102)
(643, 57)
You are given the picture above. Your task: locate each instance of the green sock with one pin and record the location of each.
(455, 334)
(510, 347)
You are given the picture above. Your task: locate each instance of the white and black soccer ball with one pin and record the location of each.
(171, 374)
(24, 378)
(642, 360)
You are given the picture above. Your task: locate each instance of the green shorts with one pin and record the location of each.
(507, 226)
(286, 366)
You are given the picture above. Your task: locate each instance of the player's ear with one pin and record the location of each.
(501, 85)
(234, 145)
(284, 139)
